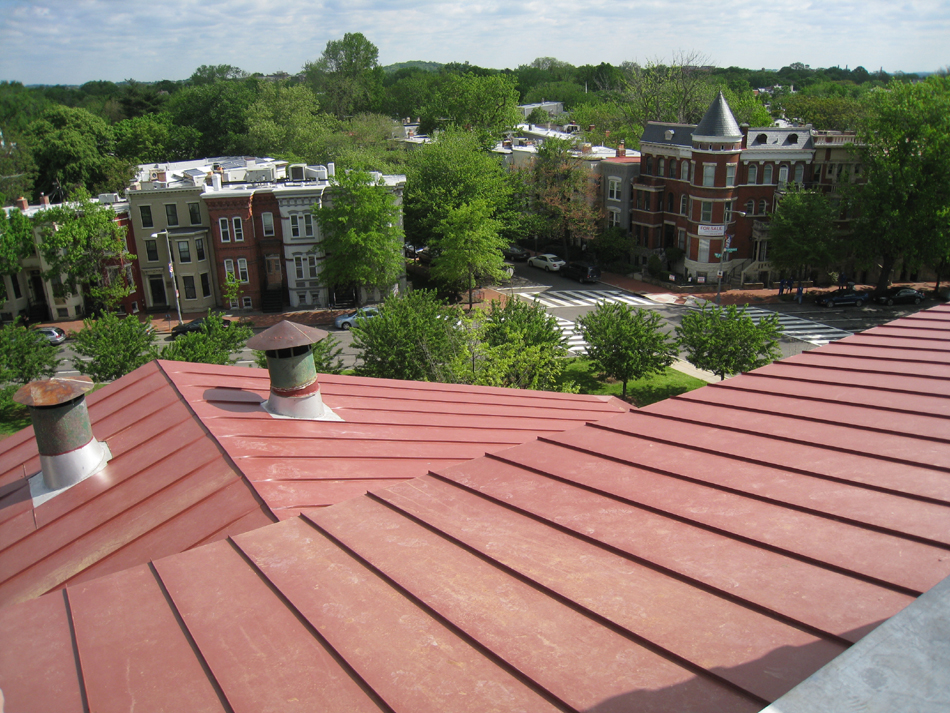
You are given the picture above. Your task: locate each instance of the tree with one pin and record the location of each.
(904, 149)
(802, 232)
(486, 106)
(80, 242)
(153, 138)
(74, 149)
(469, 247)
(516, 345)
(564, 194)
(415, 337)
(113, 346)
(209, 74)
(215, 343)
(286, 121)
(326, 356)
(347, 76)
(16, 243)
(218, 112)
(626, 343)
(362, 239)
(679, 92)
(447, 174)
(727, 341)
(25, 356)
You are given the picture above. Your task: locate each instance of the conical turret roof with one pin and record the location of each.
(718, 121)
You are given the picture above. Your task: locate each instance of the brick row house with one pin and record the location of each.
(251, 218)
(708, 187)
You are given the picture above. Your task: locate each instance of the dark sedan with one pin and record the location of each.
(900, 295)
(515, 253)
(193, 326)
(842, 297)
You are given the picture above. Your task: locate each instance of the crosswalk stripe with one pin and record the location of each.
(582, 298)
(804, 330)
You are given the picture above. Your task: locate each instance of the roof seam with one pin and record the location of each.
(820, 564)
(186, 632)
(758, 374)
(533, 584)
(340, 660)
(84, 697)
(790, 468)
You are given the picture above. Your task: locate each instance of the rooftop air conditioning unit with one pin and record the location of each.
(317, 172)
(298, 172)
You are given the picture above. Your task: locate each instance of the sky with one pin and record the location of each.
(76, 41)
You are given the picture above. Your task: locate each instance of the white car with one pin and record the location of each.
(551, 263)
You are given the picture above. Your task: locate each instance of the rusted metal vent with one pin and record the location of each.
(294, 389)
(68, 450)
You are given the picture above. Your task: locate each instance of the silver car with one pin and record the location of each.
(549, 262)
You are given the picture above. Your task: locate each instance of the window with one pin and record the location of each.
(681, 239)
(684, 171)
(171, 214)
(267, 220)
(709, 174)
(613, 218)
(703, 251)
(15, 280)
(308, 225)
(730, 174)
(670, 202)
(312, 262)
(238, 230)
(225, 230)
(727, 212)
(205, 285)
(200, 248)
(247, 302)
(753, 174)
(229, 267)
(146, 212)
(767, 174)
(184, 251)
(660, 167)
(298, 266)
(613, 189)
(242, 269)
(706, 215)
(672, 173)
(799, 173)
(295, 226)
(683, 205)
(750, 207)
(151, 250)
(782, 175)
(649, 168)
(764, 250)
(763, 207)
(194, 213)
(189, 282)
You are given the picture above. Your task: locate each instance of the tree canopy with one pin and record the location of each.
(727, 341)
(16, 243)
(626, 343)
(802, 232)
(484, 105)
(113, 346)
(362, 238)
(215, 343)
(347, 76)
(25, 356)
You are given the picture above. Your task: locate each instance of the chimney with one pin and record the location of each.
(68, 450)
(621, 150)
(44, 199)
(331, 172)
(216, 181)
(294, 389)
(22, 203)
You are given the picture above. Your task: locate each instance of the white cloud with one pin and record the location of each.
(73, 41)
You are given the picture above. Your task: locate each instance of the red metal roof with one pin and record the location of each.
(195, 459)
(391, 430)
(706, 553)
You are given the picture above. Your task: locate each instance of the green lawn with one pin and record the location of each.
(13, 417)
(640, 393)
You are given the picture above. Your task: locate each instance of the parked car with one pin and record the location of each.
(426, 255)
(55, 335)
(346, 321)
(194, 325)
(842, 297)
(900, 295)
(549, 262)
(581, 271)
(515, 253)
(410, 250)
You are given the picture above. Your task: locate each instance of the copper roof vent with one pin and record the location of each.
(69, 453)
(294, 389)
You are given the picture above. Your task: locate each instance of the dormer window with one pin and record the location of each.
(761, 139)
(793, 138)
(669, 134)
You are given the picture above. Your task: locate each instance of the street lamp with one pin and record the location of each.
(171, 269)
(726, 249)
